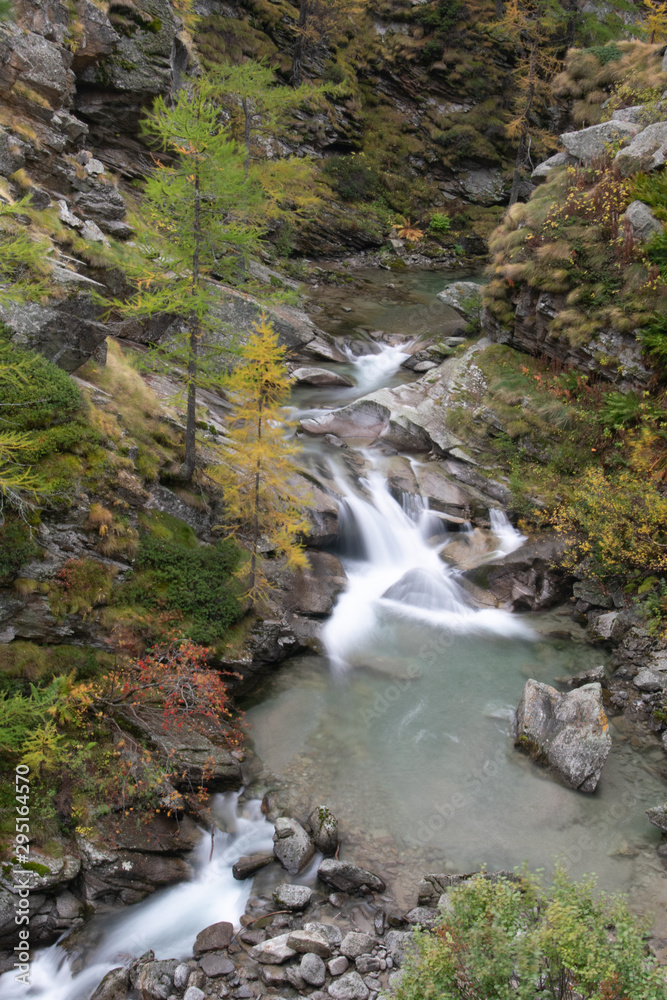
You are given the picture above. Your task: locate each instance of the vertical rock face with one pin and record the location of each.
(568, 733)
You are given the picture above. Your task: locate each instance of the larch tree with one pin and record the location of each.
(655, 20)
(259, 458)
(196, 210)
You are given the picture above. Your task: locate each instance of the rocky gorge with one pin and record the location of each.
(414, 391)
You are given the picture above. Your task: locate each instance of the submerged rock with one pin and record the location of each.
(568, 733)
(320, 376)
(250, 864)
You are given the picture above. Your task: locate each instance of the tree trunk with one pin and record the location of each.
(245, 104)
(255, 519)
(572, 23)
(500, 10)
(188, 467)
(297, 55)
(523, 140)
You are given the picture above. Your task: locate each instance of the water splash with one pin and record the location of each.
(169, 921)
(391, 569)
(509, 539)
(372, 370)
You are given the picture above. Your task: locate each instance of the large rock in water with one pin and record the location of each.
(346, 877)
(462, 296)
(292, 845)
(568, 733)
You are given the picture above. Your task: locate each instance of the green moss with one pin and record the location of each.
(17, 547)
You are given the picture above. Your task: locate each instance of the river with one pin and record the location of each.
(403, 728)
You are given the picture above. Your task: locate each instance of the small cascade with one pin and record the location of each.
(169, 921)
(392, 569)
(509, 539)
(372, 370)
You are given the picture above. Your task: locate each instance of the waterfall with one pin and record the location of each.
(373, 370)
(168, 921)
(509, 539)
(392, 569)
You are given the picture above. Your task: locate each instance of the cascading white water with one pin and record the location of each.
(169, 921)
(390, 567)
(373, 370)
(509, 539)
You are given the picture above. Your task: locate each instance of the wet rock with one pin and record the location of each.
(589, 143)
(646, 680)
(337, 966)
(292, 897)
(114, 986)
(648, 151)
(275, 951)
(155, 980)
(529, 578)
(321, 511)
(313, 590)
(250, 864)
(595, 674)
(320, 376)
(324, 828)
(641, 220)
(658, 816)
(464, 296)
(369, 420)
(214, 938)
(569, 733)
(216, 963)
(346, 877)
(312, 970)
(356, 943)
(292, 845)
(181, 976)
(273, 975)
(349, 987)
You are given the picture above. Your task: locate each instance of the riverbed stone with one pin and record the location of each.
(338, 965)
(568, 732)
(275, 951)
(114, 986)
(181, 975)
(194, 993)
(320, 376)
(657, 815)
(324, 828)
(356, 943)
(347, 877)
(422, 916)
(646, 680)
(292, 897)
(273, 975)
(330, 932)
(214, 938)
(155, 980)
(306, 942)
(216, 963)
(250, 864)
(312, 969)
(292, 845)
(349, 987)
(595, 674)
(367, 963)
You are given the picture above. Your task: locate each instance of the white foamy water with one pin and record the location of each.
(373, 370)
(509, 539)
(169, 921)
(392, 568)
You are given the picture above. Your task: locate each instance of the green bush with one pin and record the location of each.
(197, 583)
(16, 548)
(352, 178)
(440, 223)
(513, 940)
(652, 190)
(42, 396)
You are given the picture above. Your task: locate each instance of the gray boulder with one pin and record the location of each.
(349, 987)
(542, 170)
(331, 932)
(275, 951)
(292, 897)
(346, 877)
(320, 376)
(292, 845)
(462, 296)
(658, 816)
(422, 916)
(483, 185)
(569, 732)
(312, 970)
(355, 943)
(324, 828)
(642, 221)
(155, 980)
(309, 942)
(214, 938)
(114, 986)
(589, 143)
(646, 680)
(647, 152)
(216, 963)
